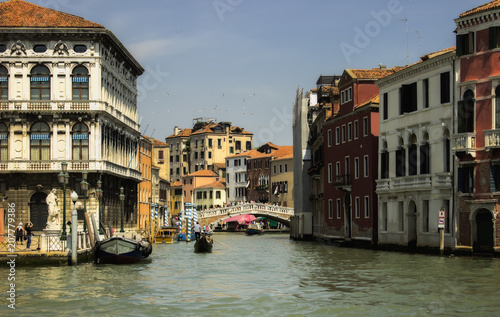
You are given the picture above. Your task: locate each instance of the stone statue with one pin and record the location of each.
(53, 203)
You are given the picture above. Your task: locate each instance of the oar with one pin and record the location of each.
(225, 245)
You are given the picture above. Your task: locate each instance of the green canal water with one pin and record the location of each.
(268, 275)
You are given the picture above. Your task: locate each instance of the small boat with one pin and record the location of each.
(253, 229)
(120, 250)
(167, 235)
(204, 244)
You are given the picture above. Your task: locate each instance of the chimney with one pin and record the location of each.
(382, 67)
(176, 130)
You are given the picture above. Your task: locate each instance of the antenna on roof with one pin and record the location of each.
(407, 47)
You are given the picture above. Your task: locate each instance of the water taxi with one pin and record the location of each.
(167, 235)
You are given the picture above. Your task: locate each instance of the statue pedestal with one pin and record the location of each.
(51, 240)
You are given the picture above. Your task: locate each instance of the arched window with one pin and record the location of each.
(80, 79)
(497, 107)
(400, 160)
(384, 161)
(4, 142)
(4, 83)
(425, 160)
(40, 142)
(80, 142)
(466, 112)
(412, 155)
(40, 83)
(447, 151)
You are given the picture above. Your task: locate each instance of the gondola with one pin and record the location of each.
(204, 244)
(120, 250)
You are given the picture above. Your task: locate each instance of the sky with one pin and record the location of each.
(242, 61)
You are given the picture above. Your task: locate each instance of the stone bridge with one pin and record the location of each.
(277, 213)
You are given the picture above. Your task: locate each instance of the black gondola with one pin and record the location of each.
(204, 244)
(119, 250)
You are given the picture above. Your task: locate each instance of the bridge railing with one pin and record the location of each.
(250, 207)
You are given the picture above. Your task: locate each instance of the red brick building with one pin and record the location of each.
(476, 141)
(351, 150)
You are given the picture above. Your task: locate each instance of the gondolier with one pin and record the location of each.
(197, 230)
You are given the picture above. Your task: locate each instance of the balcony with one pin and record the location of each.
(412, 183)
(74, 166)
(465, 142)
(342, 182)
(67, 105)
(383, 185)
(442, 181)
(491, 139)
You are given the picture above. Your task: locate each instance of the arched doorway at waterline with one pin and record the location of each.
(484, 231)
(39, 211)
(412, 225)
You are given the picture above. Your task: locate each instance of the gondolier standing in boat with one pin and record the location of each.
(197, 230)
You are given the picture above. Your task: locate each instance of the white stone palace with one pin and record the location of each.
(68, 93)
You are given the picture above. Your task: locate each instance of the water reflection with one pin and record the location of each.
(267, 275)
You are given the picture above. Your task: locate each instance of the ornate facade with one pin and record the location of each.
(67, 94)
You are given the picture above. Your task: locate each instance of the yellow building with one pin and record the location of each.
(205, 147)
(209, 196)
(282, 181)
(175, 200)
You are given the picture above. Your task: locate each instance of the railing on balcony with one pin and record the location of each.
(492, 139)
(55, 166)
(67, 105)
(342, 181)
(415, 182)
(465, 142)
(383, 185)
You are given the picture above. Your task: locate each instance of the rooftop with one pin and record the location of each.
(18, 13)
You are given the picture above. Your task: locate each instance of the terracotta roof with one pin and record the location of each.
(485, 7)
(176, 184)
(285, 157)
(183, 133)
(204, 173)
(374, 100)
(209, 128)
(250, 153)
(18, 13)
(220, 165)
(373, 74)
(217, 184)
(438, 53)
(155, 141)
(281, 151)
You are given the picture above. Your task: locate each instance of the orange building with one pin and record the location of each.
(194, 180)
(145, 187)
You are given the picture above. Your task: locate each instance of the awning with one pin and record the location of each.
(241, 219)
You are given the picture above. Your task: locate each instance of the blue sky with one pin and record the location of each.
(242, 60)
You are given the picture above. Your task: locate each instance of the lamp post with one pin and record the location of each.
(74, 228)
(63, 178)
(99, 196)
(122, 200)
(84, 185)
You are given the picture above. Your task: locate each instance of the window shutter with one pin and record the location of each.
(460, 45)
(445, 87)
(493, 38)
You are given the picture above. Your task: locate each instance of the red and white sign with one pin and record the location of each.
(441, 219)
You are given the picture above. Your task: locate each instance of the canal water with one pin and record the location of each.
(268, 275)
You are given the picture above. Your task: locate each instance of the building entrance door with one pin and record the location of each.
(39, 211)
(484, 223)
(412, 225)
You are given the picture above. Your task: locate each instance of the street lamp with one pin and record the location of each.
(99, 196)
(63, 178)
(74, 229)
(122, 199)
(84, 185)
